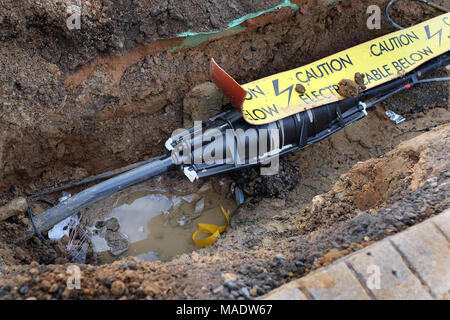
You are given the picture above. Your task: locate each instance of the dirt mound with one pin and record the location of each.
(373, 183)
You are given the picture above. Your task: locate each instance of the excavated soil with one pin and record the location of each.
(87, 101)
(83, 102)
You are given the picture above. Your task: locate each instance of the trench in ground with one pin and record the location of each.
(261, 220)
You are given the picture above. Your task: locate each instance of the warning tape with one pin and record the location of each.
(379, 60)
(212, 229)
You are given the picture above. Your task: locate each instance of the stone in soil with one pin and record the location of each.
(118, 288)
(13, 208)
(112, 224)
(202, 102)
(117, 242)
(348, 88)
(300, 88)
(99, 224)
(359, 80)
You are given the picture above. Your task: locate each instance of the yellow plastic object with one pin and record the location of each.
(380, 60)
(212, 229)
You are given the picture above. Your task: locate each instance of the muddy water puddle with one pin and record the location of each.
(157, 224)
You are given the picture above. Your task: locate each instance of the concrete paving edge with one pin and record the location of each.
(413, 264)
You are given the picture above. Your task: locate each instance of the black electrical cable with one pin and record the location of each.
(30, 214)
(434, 5)
(108, 174)
(388, 18)
(404, 87)
(74, 204)
(434, 80)
(398, 27)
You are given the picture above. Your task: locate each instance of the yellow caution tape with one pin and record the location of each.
(212, 229)
(380, 60)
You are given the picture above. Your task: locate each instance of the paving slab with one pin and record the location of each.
(336, 282)
(289, 291)
(428, 253)
(442, 221)
(385, 273)
(413, 264)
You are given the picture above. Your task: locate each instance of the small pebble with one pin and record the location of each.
(217, 290)
(245, 292)
(124, 266)
(118, 288)
(24, 290)
(300, 89)
(230, 283)
(279, 256)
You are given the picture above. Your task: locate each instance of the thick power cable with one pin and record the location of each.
(404, 87)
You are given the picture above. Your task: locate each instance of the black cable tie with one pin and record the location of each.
(340, 118)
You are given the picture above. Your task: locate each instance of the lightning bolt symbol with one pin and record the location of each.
(277, 89)
(429, 35)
